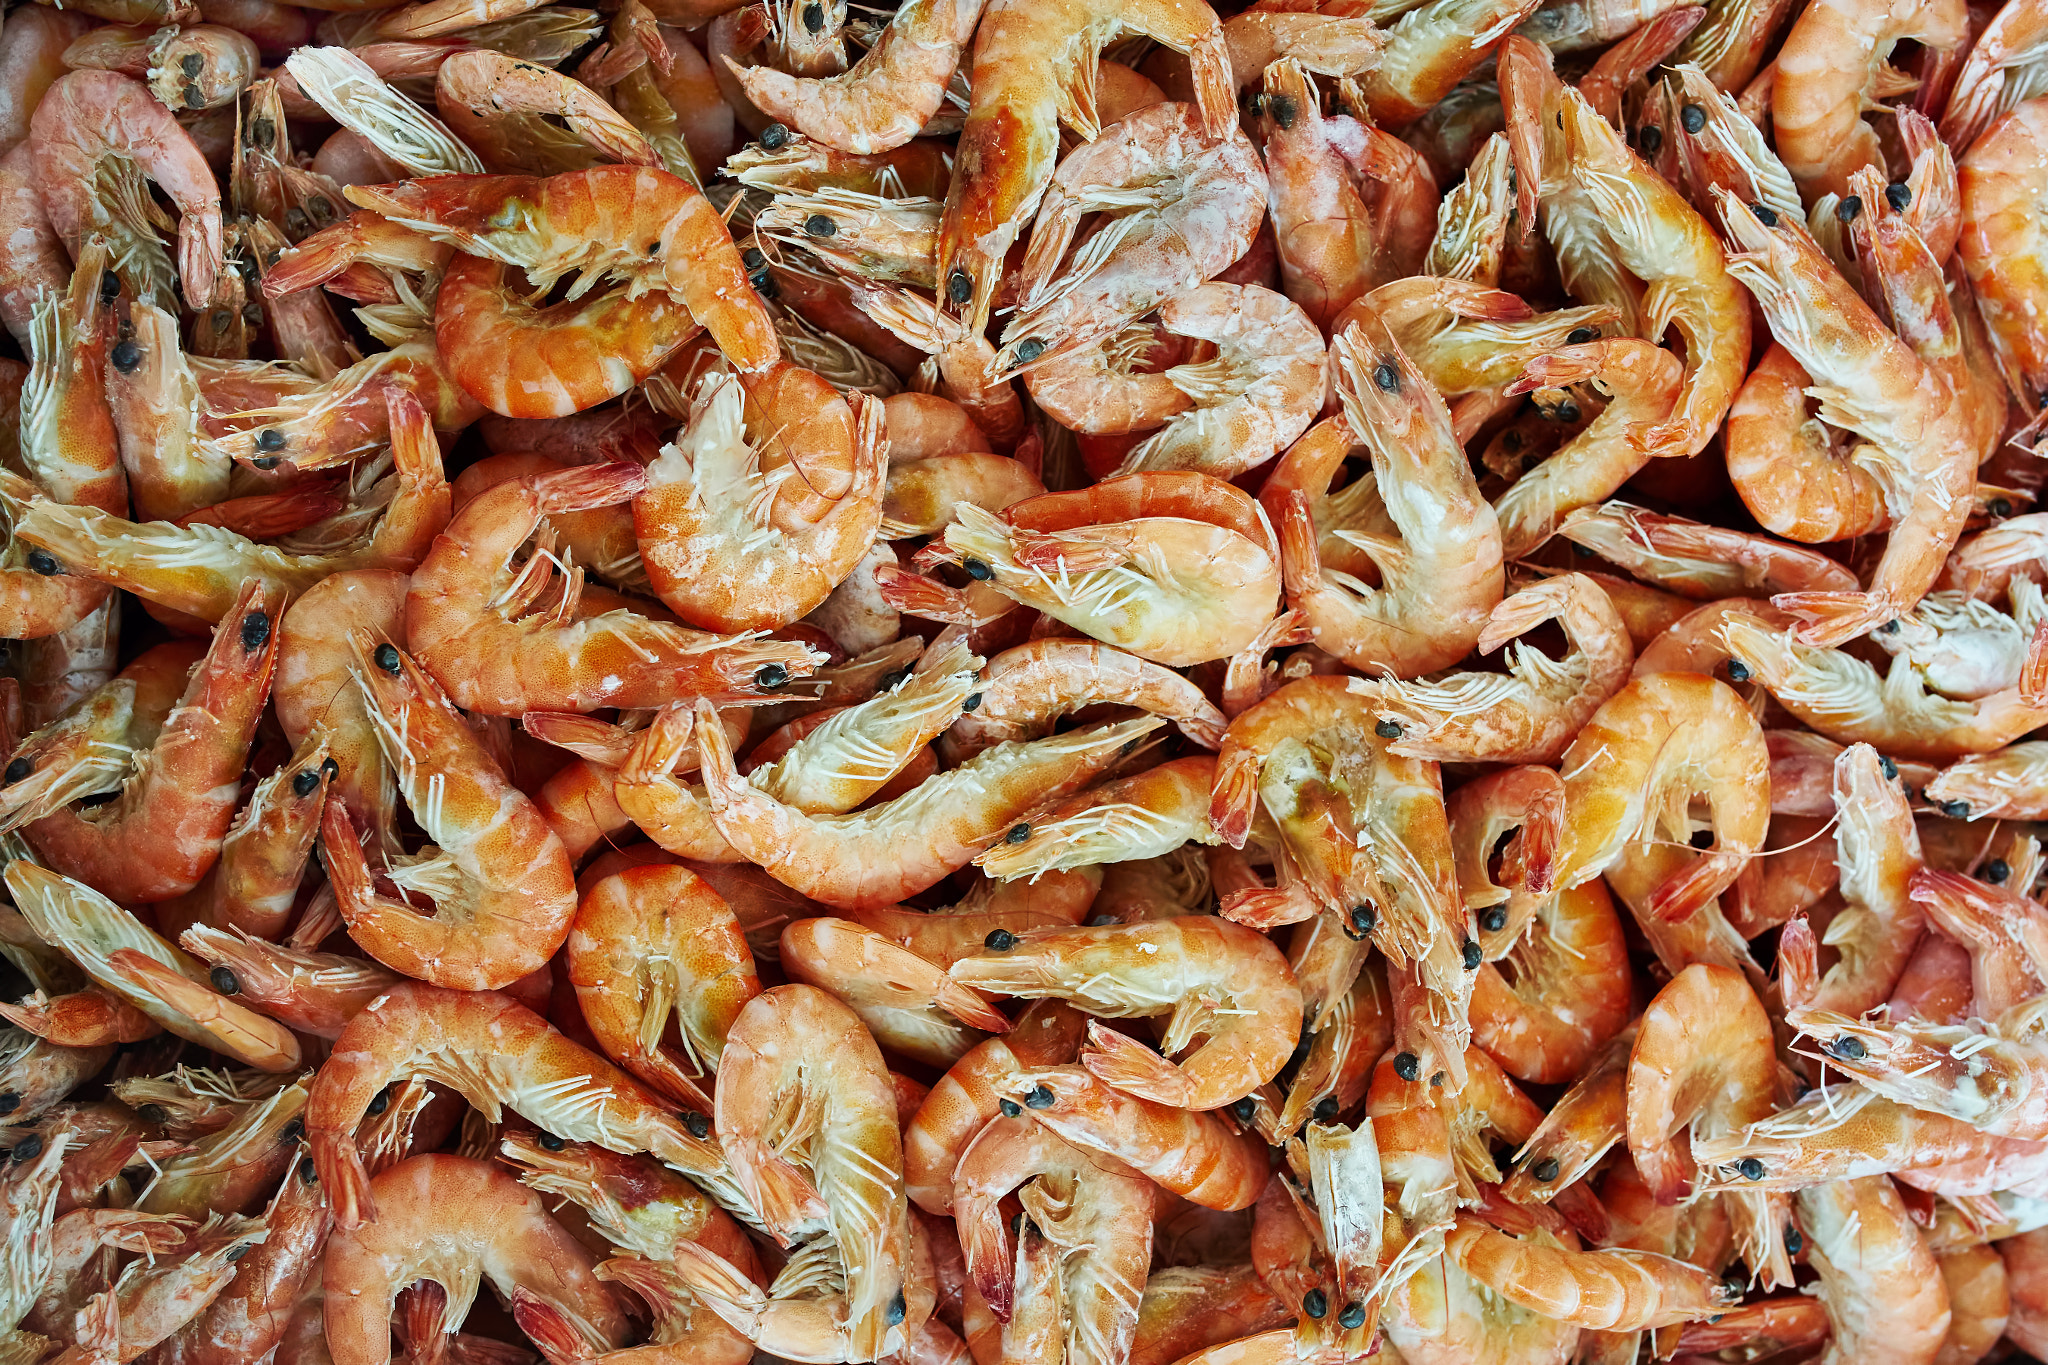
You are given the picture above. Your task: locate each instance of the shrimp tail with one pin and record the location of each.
(551, 1331)
(2034, 670)
(714, 1280)
(913, 594)
(1828, 619)
(1301, 564)
(1128, 1065)
(1534, 849)
(969, 1008)
(340, 1168)
(1235, 798)
(777, 1187)
(1265, 907)
(1798, 963)
(1687, 891)
(585, 488)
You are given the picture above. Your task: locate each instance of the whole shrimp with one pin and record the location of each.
(1022, 692)
(1884, 1294)
(1610, 1290)
(1832, 59)
(2001, 247)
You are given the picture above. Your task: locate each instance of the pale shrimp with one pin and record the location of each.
(1919, 443)
(37, 263)
(524, 118)
(1527, 802)
(1191, 1308)
(1794, 471)
(1880, 924)
(264, 854)
(639, 1204)
(1642, 383)
(1660, 740)
(348, 90)
(155, 399)
(1999, 929)
(712, 550)
(601, 540)
(648, 941)
(249, 1316)
(946, 935)
(1199, 1156)
(895, 89)
(1094, 1209)
(1609, 1290)
(1967, 649)
(966, 1098)
(1132, 561)
(921, 492)
(681, 1330)
(187, 69)
(801, 1074)
(1530, 713)
(1145, 815)
(1253, 398)
(2002, 785)
(1698, 560)
(455, 1221)
(37, 1074)
(464, 603)
(1585, 1123)
(310, 992)
(1883, 1290)
(908, 1002)
(1833, 57)
(496, 1053)
(2002, 70)
(153, 1299)
(2001, 247)
(1830, 1135)
(861, 236)
(236, 1168)
(1322, 227)
(96, 130)
(1449, 546)
(314, 688)
(1219, 981)
(1568, 994)
(1850, 702)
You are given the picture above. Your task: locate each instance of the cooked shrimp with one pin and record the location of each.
(2000, 248)
(1795, 472)
(1145, 815)
(1698, 560)
(1529, 802)
(514, 115)
(637, 1203)
(249, 1317)
(1881, 924)
(310, 992)
(1829, 1135)
(908, 1002)
(2002, 785)
(1610, 1290)
(1883, 1291)
(1322, 227)
(1581, 1128)
(1832, 60)
(1569, 992)
(314, 687)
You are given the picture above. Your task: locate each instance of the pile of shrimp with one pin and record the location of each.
(1023, 682)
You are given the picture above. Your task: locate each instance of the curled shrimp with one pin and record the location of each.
(314, 687)
(1219, 981)
(1698, 560)
(1883, 1291)
(1832, 58)
(501, 107)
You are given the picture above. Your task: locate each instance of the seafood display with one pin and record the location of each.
(1023, 682)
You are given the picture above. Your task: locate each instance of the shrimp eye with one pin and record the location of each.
(252, 314)
(386, 658)
(771, 676)
(1887, 767)
(19, 769)
(1738, 671)
(1364, 919)
(1283, 109)
(255, 630)
(818, 225)
(270, 439)
(1472, 956)
(266, 462)
(1995, 871)
(1388, 729)
(1899, 195)
(1692, 118)
(999, 941)
(1353, 1316)
(1651, 140)
(1326, 1109)
(1702, 838)
(549, 1142)
(973, 702)
(9, 1102)
(44, 563)
(978, 571)
(1765, 214)
(1437, 1078)
(379, 1102)
(220, 319)
(1018, 834)
(225, 981)
(191, 63)
(1999, 507)
(239, 1249)
(1956, 810)
(1890, 627)
(753, 258)
(814, 22)
(1751, 1168)
(1493, 919)
(1408, 1066)
(1567, 411)
(1243, 1109)
(292, 1133)
(774, 137)
(893, 679)
(898, 1309)
(1850, 209)
(1387, 377)
(1010, 1108)
(1544, 1171)
(1315, 1303)
(262, 132)
(153, 1113)
(959, 286)
(110, 286)
(305, 783)
(1793, 1241)
(309, 1173)
(1029, 349)
(329, 767)
(698, 1124)
(1039, 1098)
(127, 356)
(29, 1148)
(1581, 335)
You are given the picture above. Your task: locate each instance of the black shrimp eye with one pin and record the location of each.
(1364, 918)
(255, 630)
(1850, 209)
(330, 769)
(309, 1173)
(1493, 919)
(893, 679)
(1283, 109)
(1326, 1109)
(1899, 195)
(1386, 377)
(1995, 871)
(1009, 1108)
(1751, 1168)
(753, 258)
(959, 286)
(239, 1250)
(1890, 627)
(153, 1113)
(304, 783)
(1408, 1066)
(1765, 214)
(1567, 411)
(265, 462)
(386, 657)
(379, 1102)
(1387, 729)
(270, 439)
(1999, 507)
(1581, 335)
(225, 981)
(978, 571)
(252, 314)
(1472, 956)
(19, 769)
(819, 225)
(973, 702)
(191, 63)
(814, 22)
(127, 357)
(698, 1124)
(1041, 1097)
(774, 137)
(1692, 118)
(292, 1133)
(1242, 1110)
(1315, 1303)
(771, 676)
(1849, 1048)
(1353, 1316)
(999, 941)
(1651, 140)
(1956, 810)
(110, 286)
(549, 1142)
(1793, 1241)
(9, 1102)
(1018, 834)
(1544, 1171)
(898, 1309)
(1029, 349)
(1888, 768)
(1738, 671)
(29, 1148)
(44, 563)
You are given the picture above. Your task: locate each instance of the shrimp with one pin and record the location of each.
(1831, 1136)
(155, 399)
(1568, 995)
(1322, 227)
(871, 237)
(2002, 785)
(1131, 561)
(650, 940)
(314, 688)
(94, 133)
(1882, 1288)
(800, 1073)
(713, 551)
(1219, 981)
(610, 221)
(309, 992)
(151, 1300)
(1660, 740)
(921, 493)
(1580, 1129)
(495, 1053)
(249, 1317)
(67, 430)
(1881, 923)
(502, 108)
(264, 854)
(1831, 62)
(1531, 713)
(1698, 560)
(1145, 815)
(1096, 1210)
(189, 69)
(463, 617)
(36, 1074)
(236, 1168)
(1794, 472)
(907, 1002)
(456, 1221)
(638, 1204)
(2001, 248)
(1610, 1290)
(895, 89)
